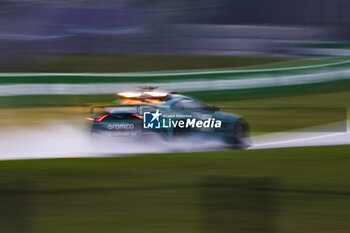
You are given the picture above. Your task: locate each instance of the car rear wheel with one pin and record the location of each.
(149, 138)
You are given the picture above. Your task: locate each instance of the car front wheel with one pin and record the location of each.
(241, 135)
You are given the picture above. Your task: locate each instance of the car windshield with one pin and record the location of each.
(191, 104)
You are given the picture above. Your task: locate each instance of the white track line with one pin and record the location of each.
(188, 85)
(300, 139)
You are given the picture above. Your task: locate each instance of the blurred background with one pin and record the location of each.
(283, 65)
(33, 30)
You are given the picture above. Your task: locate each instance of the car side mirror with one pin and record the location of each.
(214, 108)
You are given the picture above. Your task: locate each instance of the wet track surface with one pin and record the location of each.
(61, 141)
(289, 139)
(331, 134)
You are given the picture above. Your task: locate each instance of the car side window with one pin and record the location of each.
(190, 104)
(146, 109)
(178, 105)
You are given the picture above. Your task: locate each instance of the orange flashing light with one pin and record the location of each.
(130, 94)
(156, 93)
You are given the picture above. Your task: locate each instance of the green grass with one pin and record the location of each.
(211, 67)
(53, 100)
(307, 191)
(113, 63)
(118, 63)
(338, 98)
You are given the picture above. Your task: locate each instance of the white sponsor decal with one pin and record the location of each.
(120, 126)
(191, 123)
(154, 120)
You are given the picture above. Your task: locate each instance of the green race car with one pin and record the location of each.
(149, 115)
